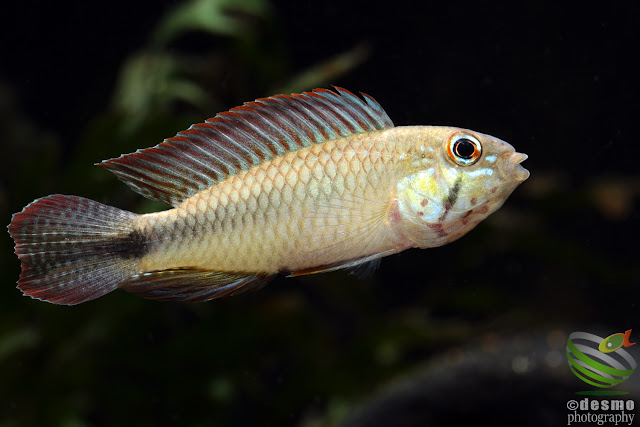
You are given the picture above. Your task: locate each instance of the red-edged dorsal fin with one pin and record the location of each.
(245, 136)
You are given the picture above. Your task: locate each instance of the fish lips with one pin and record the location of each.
(510, 166)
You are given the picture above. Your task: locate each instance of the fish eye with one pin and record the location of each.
(464, 150)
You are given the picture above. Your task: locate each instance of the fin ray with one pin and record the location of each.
(73, 249)
(192, 284)
(243, 137)
(366, 269)
(371, 261)
(362, 233)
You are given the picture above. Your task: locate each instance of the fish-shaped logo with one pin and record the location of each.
(615, 341)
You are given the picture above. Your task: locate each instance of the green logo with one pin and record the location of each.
(600, 362)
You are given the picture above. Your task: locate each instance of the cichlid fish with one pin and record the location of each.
(296, 184)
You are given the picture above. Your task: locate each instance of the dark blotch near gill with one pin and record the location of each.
(452, 197)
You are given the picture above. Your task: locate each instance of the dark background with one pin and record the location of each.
(444, 336)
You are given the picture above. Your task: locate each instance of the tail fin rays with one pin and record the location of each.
(74, 249)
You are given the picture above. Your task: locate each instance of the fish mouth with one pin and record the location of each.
(518, 157)
(515, 159)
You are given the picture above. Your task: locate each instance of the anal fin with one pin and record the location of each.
(191, 284)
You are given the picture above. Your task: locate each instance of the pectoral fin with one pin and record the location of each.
(352, 263)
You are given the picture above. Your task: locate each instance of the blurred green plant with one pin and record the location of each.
(251, 63)
(215, 16)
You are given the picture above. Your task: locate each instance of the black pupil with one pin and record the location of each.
(464, 148)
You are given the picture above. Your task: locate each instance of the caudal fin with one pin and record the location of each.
(73, 249)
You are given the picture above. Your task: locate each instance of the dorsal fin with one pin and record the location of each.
(245, 136)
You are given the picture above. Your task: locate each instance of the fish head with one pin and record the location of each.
(456, 179)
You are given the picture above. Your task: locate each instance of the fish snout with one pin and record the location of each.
(511, 166)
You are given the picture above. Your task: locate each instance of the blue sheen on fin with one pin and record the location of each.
(243, 137)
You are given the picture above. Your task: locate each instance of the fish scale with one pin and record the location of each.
(295, 184)
(253, 221)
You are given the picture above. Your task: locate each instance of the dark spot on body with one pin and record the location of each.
(128, 246)
(452, 197)
(420, 213)
(453, 193)
(424, 202)
(133, 245)
(474, 201)
(484, 209)
(494, 189)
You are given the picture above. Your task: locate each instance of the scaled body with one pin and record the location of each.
(295, 185)
(309, 208)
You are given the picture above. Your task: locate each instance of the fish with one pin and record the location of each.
(286, 185)
(616, 341)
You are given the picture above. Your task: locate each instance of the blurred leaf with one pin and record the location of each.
(219, 17)
(149, 81)
(16, 341)
(327, 71)
(159, 79)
